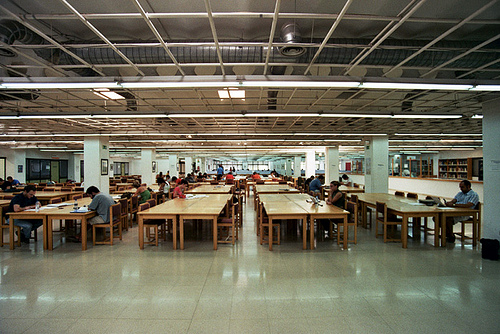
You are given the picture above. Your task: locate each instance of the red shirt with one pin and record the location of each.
(256, 176)
(178, 193)
(229, 177)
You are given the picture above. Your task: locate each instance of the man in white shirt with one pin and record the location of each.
(466, 198)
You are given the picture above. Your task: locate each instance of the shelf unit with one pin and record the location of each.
(421, 167)
(459, 169)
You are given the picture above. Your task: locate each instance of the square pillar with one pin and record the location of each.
(297, 171)
(376, 164)
(331, 164)
(310, 163)
(96, 162)
(148, 156)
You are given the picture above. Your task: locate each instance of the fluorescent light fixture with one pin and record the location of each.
(233, 93)
(59, 85)
(477, 116)
(427, 116)
(129, 116)
(411, 86)
(486, 88)
(439, 134)
(302, 84)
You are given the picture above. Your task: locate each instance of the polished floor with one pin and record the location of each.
(370, 288)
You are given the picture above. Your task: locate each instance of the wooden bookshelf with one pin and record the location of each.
(459, 169)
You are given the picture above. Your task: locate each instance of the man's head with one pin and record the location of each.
(345, 177)
(29, 191)
(184, 184)
(10, 179)
(465, 186)
(92, 191)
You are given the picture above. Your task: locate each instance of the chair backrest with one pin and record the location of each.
(412, 195)
(230, 181)
(282, 182)
(154, 195)
(8, 196)
(134, 200)
(77, 197)
(115, 213)
(144, 206)
(355, 185)
(381, 211)
(354, 198)
(49, 189)
(260, 182)
(124, 203)
(55, 200)
(121, 188)
(399, 193)
(78, 189)
(67, 189)
(59, 184)
(214, 182)
(152, 202)
(353, 210)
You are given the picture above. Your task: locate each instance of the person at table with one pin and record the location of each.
(179, 190)
(5, 185)
(346, 180)
(308, 182)
(159, 178)
(315, 185)
(220, 171)
(142, 192)
(22, 202)
(466, 198)
(335, 196)
(164, 188)
(190, 178)
(230, 176)
(255, 176)
(13, 182)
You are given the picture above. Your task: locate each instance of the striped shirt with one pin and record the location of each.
(470, 197)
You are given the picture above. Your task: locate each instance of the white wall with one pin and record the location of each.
(476, 153)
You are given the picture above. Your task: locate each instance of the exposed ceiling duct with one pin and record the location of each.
(339, 51)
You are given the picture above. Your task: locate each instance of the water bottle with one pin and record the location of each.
(75, 205)
(37, 206)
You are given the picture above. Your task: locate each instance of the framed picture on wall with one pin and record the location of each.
(153, 167)
(104, 166)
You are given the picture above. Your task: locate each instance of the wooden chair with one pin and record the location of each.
(352, 221)
(355, 185)
(214, 182)
(265, 225)
(67, 189)
(114, 221)
(78, 189)
(282, 182)
(231, 181)
(227, 227)
(124, 212)
(56, 200)
(476, 228)
(47, 189)
(134, 207)
(148, 224)
(152, 202)
(399, 193)
(383, 219)
(3, 226)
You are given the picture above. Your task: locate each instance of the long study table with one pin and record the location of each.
(206, 207)
(211, 189)
(294, 206)
(407, 207)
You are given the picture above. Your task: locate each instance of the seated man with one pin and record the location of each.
(21, 202)
(13, 182)
(5, 185)
(466, 198)
(230, 176)
(315, 185)
(100, 203)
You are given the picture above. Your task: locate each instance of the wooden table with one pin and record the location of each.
(64, 212)
(46, 196)
(211, 189)
(406, 208)
(294, 206)
(208, 207)
(275, 189)
(28, 214)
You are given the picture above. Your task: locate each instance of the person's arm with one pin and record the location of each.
(18, 208)
(334, 199)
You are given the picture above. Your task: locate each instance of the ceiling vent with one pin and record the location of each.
(290, 33)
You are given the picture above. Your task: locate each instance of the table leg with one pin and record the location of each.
(214, 223)
(345, 232)
(84, 234)
(45, 235)
(181, 232)
(404, 232)
(442, 222)
(174, 231)
(304, 233)
(49, 234)
(270, 233)
(363, 215)
(311, 231)
(140, 222)
(11, 233)
(436, 230)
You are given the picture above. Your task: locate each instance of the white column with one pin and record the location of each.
(296, 163)
(310, 163)
(376, 164)
(148, 155)
(96, 161)
(76, 167)
(288, 167)
(491, 170)
(172, 165)
(203, 165)
(188, 164)
(331, 164)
